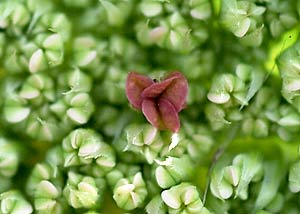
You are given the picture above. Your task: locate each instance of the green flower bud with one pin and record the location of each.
(232, 93)
(173, 171)
(37, 61)
(116, 11)
(236, 86)
(171, 32)
(226, 86)
(121, 171)
(44, 172)
(243, 19)
(200, 9)
(143, 139)
(262, 112)
(14, 16)
(281, 16)
(23, 107)
(76, 80)
(216, 116)
(245, 168)
(15, 109)
(200, 141)
(286, 119)
(220, 187)
(38, 88)
(156, 206)
(81, 191)
(42, 127)
(257, 128)
(289, 117)
(17, 55)
(175, 144)
(85, 147)
(251, 169)
(49, 54)
(183, 198)
(13, 202)
(87, 53)
(130, 193)
(143, 33)
(56, 23)
(150, 8)
(74, 107)
(254, 38)
(9, 158)
(46, 198)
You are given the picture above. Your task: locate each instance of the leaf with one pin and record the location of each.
(257, 81)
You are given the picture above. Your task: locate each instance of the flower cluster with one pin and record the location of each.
(149, 106)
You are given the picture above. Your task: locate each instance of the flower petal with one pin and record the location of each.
(157, 89)
(177, 91)
(135, 84)
(169, 115)
(149, 108)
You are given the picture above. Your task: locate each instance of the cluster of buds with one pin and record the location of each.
(230, 93)
(35, 105)
(164, 26)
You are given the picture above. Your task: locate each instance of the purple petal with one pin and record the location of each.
(177, 91)
(149, 108)
(157, 89)
(169, 115)
(135, 84)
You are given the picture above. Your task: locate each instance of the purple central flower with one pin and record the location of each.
(161, 101)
